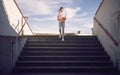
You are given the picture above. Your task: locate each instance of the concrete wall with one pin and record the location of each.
(5, 28)
(109, 16)
(10, 44)
(10, 49)
(15, 17)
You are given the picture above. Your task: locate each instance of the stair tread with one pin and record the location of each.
(64, 61)
(66, 47)
(62, 43)
(61, 49)
(58, 73)
(66, 51)
(59, 41)
(66, 67)
(55, 55)
(65, 56)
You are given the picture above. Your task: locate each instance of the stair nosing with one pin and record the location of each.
(67, 47)
(64, 61)
(64, 56)
(69, 67)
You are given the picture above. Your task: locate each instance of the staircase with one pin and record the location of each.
(77, 55)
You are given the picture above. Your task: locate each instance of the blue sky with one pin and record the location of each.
(42, 14)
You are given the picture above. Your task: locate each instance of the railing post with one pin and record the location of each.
(21, 25)
(23, 22)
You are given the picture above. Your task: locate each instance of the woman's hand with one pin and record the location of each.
(64, 18)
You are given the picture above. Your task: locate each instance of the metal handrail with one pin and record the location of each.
(114, 41)
(16, 26)
(99, 6)
(23, 18)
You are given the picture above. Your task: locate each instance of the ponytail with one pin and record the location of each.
(60, 8)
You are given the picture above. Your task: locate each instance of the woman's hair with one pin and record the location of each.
(60, 8)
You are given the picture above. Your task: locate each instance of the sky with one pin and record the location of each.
(42, 15)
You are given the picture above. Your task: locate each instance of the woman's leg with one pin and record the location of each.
(60, 30)
(63, 33)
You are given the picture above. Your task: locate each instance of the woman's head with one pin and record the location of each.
(61, 9)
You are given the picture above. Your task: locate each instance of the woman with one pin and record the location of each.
(61, 19)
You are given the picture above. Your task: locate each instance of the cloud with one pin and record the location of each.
(83, 14)
(62, 1)
(77, 19)
(41, 7)
(50, 18)
(71, 12)
(35, 7)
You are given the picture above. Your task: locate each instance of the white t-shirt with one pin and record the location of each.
(61, 15)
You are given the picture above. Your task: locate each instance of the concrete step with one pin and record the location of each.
(65, 69)
(62, 58)
(66, 41)
(63, 49)
(72, 53)
(64, 53)
(63, 63)
(82, 73)
(66, 37)
(62, 44)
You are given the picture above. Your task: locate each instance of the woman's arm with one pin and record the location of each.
(58, 18)
(64, 17)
